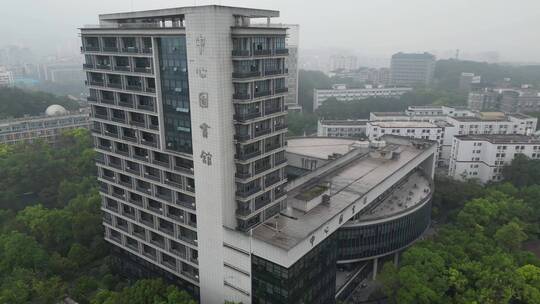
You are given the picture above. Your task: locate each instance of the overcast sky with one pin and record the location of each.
(374, 27)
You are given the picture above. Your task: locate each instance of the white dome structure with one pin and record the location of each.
(55, 110)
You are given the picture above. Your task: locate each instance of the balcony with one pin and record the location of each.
(103, 66)
(147, 50)
(243, 212)
(242, 175)
(133, 171)
(149, 143)
(143, 70)
(281, 51)
(280, 161)
(164, 196)
(114, 85)
(132, 87)
(280, 127)
(127, 104)
(92, 48)
(183, 169)
(262, 52)
(246, 156)
(88, 65)
(110, 49)
(248, 192)
(262, 169)
(147, 107)
(241, 96)
(107, 100)
(150, 90)
(91, 98)
(246, 116)
(242, 75)
(271, 180)
(279, 194)
(119, 119)
(272, 110)
(96, 83)
(144, 189)
(242, 137)
(262, 132)
(185, 204)
(136, 202)
(271, 148)
(144, 158)
(130, 49)
(122, 68)
(240, 53)
(262, 93)
(129, 138)
(281, 90)
(273, 72)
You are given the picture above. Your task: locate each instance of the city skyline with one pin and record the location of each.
(498, 30)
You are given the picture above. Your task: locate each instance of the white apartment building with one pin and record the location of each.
(484, 156)
(342, 128)
(457, 121)
(341, 93)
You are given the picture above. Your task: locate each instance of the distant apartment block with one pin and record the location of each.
(6, 78)
(342, 128)
(410, 69)
(483, 156)
(341, 93)
(61, 72)
(485, 99)
(525, 100)
(46, 128)
(343, 62)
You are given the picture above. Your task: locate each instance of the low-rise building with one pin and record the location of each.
(452, 122)
(483, 156)
(342, 93)
(46, 127)
(342, 128)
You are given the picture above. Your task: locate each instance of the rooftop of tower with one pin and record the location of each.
(178, 11)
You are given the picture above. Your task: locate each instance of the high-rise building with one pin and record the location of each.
(189, 119)
(409, 69)
(292, 43)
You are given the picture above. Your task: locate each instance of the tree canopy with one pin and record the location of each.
(51, 236)
(16, 102)
(477, 256)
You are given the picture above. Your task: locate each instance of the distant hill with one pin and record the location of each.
(15, 102)
(447, 73)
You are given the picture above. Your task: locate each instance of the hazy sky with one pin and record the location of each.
(374, 27)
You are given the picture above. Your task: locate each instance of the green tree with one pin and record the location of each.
(510, 236)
